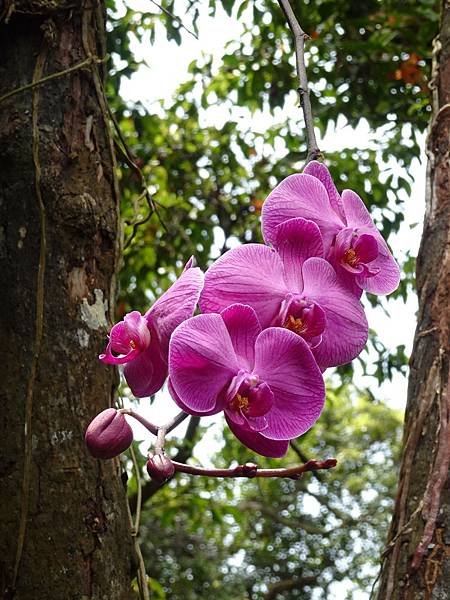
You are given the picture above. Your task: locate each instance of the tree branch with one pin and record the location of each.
(289, 584)
(303, 89)
(251, 470)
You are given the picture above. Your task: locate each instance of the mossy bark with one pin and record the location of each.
(63, 515)
(416, 563)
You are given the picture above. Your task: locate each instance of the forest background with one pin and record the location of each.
(202, 161)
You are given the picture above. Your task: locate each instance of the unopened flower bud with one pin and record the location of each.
(108, 434)
(160, 467)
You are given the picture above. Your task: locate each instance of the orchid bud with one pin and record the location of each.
(108, 434)
(160, 467)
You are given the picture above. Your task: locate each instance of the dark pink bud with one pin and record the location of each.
(160, 467)
(108, 434)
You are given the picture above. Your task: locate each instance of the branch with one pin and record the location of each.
(251, 470)
(303, 90)
(289, 584)
(174, 17)
(155, 429)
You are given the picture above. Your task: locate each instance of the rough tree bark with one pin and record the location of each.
(64, 526)
(416, 561)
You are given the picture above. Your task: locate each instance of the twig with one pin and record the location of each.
(251, 470)
(155, 429)
(181, 416)
(47, 78)
(174, 17)
(303, 89)
(147, 424)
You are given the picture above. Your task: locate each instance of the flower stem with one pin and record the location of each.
(303, 89)
(251, 470)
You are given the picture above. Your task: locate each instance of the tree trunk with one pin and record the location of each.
(417, 558)
(64, 524)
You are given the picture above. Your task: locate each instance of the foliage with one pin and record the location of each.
(368, 64)
(214, 536)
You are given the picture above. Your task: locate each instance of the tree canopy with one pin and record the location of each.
(191, 188)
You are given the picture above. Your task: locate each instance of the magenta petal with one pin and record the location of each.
(113, 359)
(388, 277)
(146, 374)
(320, 171)
(304, 196)
(192, 262)
(176, 305)
(183, 406)
(119, 338)
(297, 240)
(366, 247)
(356, 212)
(202, 362)
(243, 327)
(256, 423)
(284, 361)
(346, 331)
(261, 400)
(251, 274)
(257, 442)
(137, 329)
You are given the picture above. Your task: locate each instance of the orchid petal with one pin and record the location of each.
(202, 362)
(297, 240)
(320, 171)
(137, 328)
(261, 400)
(257, 442)
(346, 332)
(146, 374)
(300, 195)
(175, 397)
(366, 247)
(251, 274)
(284, 361)
(256, 423)
(243, 327)
(120, 338)
(356, 212)
(388, 277)
(176, 305)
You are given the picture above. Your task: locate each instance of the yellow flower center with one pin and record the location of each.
(350, 257)
(295, 325)
(239, 403)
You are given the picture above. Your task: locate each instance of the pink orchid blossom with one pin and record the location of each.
(291, 286)
(266, 381)
(141, 343)
(352, 243)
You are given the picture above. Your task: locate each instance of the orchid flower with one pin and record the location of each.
(352, 243)
(141, 342)
(291, 286)
(266, 381)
